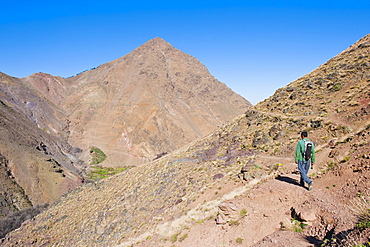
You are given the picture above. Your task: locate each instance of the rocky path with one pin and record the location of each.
(200, 213)
(262, 212)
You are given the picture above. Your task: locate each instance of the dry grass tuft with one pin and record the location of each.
(360, 206)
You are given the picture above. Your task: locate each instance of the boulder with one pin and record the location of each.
(227, 211)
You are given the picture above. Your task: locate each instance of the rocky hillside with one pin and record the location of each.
(239, 184)
(134, 109)
(149, 102)
(338, 89)
(37, 165)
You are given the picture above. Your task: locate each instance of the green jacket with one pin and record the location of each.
(300, 149)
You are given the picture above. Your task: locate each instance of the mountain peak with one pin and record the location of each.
(157, 40)
(158, 81)
(156, 43)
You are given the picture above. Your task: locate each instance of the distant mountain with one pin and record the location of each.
(176, 198)
(149, 102)
(136, 108)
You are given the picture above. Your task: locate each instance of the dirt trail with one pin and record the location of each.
(199, 213)
(262, 219)
(268, 203)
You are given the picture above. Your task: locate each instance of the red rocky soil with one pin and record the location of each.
(262, 215)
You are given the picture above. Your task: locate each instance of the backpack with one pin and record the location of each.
(307, 150)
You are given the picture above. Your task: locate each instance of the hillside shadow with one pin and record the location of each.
(288, 180)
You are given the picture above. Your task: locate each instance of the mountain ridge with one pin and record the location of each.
(126, 108)
(156, 80)
(142, 206)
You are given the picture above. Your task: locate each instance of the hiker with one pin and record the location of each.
(305, 157)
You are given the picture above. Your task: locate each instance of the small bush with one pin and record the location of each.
(239, 240)
(363, 225)
(174, 238)
(292, 225)
(243, 212)
(362, 245)
(298, 226)
(336, 87)
(361, 209)
(346, 159)
(183, 237)
(331, 165)
(200, 221)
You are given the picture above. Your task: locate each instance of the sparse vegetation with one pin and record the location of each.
(346, 159)
(97, 156)
(174, 237)
(331, 165)
(360, 206)
(234, 222)
(293, 225)
(239, 240)
(104, 172)
(243, 212)
(183, 237)
(362, 245)
(200, 221)
(336, 87)
(298, 226)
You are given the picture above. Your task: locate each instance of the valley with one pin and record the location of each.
(228, 183)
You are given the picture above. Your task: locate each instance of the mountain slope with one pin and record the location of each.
(136, 108)
(37, 164)
(151, 101)
(338, 89)
(175, 199)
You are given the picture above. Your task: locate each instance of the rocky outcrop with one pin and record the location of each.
(228, 213)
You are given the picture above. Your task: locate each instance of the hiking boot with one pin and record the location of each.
(310, 186)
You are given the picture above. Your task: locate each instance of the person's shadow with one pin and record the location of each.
(288, 180)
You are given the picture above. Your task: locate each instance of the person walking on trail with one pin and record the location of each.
(305, 157)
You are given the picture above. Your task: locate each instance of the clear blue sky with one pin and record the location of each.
(254, 47)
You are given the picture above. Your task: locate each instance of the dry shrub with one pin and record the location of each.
(360, 206)
(292, 225)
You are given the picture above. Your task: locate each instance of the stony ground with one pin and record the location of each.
(194, 197)
(270, 212)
